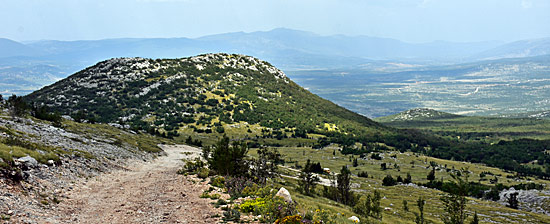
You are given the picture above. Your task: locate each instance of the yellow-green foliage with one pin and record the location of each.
(252, 204)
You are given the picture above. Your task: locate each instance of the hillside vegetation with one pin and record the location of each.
(203, 93)
(210, 95)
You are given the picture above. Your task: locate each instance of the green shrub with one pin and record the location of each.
(231, 215)
(193, 167)
(228, 159)
(218, 182)
(252, 205)
(203, 173)
(388, 181)
(369, 206)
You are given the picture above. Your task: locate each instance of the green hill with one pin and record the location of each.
(206, 94)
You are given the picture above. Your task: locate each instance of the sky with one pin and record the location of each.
(406, 20)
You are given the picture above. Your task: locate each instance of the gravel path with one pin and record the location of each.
(144, 192)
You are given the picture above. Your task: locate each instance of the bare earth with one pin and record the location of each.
(146, 192)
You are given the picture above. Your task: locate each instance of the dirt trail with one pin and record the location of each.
(147, 192)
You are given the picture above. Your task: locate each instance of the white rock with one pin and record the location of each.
(354, 219)
(284, 194)
(28, 161)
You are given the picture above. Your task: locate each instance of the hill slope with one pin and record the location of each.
(416, 114)
(203, 93)
(10, 48)
(517, 49)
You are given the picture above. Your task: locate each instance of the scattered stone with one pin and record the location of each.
(354, 219)
(283, 192)
(28, 161)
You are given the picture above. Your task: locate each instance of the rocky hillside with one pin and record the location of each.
(205, 93)
(416, 114)
(39, 162)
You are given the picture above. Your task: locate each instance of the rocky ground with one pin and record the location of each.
(142, 192)
(138, 192)
(43, 184)
(117, 184)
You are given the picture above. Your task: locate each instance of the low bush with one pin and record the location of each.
(232, 215)
(218, 182)
(236, 185)
(203, 172)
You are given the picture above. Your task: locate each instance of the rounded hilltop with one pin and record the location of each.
(199, 93)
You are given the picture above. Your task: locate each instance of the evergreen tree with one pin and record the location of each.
(408, 179)
(431, 175)
(266, 165)
(344, 185)
(228, 159)
(369, 206)
(475, 220)
(420, 216)
(513, 200)
(399, 179)
(388, 181)
(455, 202)
(308, 178)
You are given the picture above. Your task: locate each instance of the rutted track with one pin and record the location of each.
(144, 192)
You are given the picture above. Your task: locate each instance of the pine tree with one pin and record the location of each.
(455, 202)
(513, 200)
(344, 185)
(431, 175)
(420, 216)
(408, 179)
(475, 220)
(308, 178)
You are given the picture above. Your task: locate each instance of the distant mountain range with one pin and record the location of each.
(285, 48)
(518, 49)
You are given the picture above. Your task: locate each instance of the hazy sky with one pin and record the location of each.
(408, 20)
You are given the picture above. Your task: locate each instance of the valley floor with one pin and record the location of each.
(142, 192)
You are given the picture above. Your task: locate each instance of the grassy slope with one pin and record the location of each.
(25, 145)
(487, 210)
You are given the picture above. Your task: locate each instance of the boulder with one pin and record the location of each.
(284, 194)
(354, 219)
(28, 161)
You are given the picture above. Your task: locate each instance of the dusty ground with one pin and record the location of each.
(144, 192)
